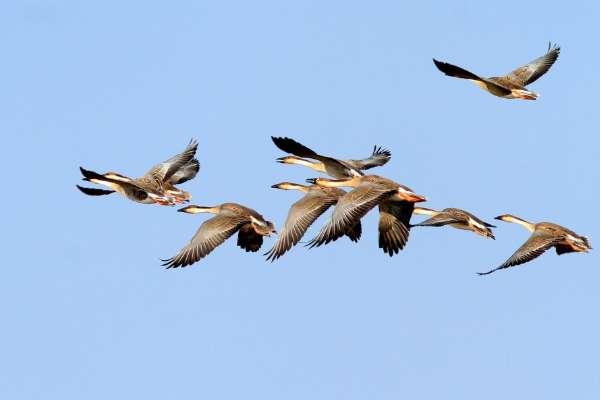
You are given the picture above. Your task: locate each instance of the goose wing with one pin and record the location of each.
(537, 244)
(94, 191)
(302, 214)
(440, 219)
(336, 168)
(186, 173)
(248, 239)
(532, 71)
(379, 157)
(210, 235)
(351, 208)
(164, 171)
(456, 71)
(394, 225)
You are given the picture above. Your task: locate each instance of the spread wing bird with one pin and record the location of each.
(512, 85)
(544, 235)
(157, 186)
(332, 166)
(456, 218)
(229, 218)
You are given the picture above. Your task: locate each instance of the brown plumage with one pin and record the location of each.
(512, 85)
(303, 213)
(229, 218)
(456, 218)
(157, 186)
(395, 201)
(544, 235)
(329, 165)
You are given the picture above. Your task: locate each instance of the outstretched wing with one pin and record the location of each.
(289, 145)
(211, 234)
(94, 191)
(394, 225)
(302, 214)
(532, 71)
(535, 246)
(440, 219)
(185, 173)
(350, 208)
(164, 171)
(456, 71)
(379, 157)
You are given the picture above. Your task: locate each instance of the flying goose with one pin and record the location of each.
(456, 218)
(156, 186)
(544, 235)
(513, 85)
(329, 165)
(229, 218)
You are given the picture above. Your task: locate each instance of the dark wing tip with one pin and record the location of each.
(381, 151)
(94, 191)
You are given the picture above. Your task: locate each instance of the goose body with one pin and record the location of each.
(544, 235)
(304, 156)
(512, 85)
(456, 218)
(229, 218)
(157, 186)
(395, 201)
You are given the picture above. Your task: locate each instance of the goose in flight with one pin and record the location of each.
(544, 235)
(157, 186)
(513, 85)
(456, 218)
(303, 213)
(329, 165)
(229, 218)
(396, 204)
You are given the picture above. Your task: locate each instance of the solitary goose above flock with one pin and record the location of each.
(513, 85)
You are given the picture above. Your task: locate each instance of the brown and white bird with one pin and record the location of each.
(396, 204)
(456, 218)
(513, 85)
(157, 186)
(303, 213)
(334, 167)
(229, 218)
(544, 235)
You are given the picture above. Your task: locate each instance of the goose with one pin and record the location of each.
(331, 166)
(303, 213)
(513, 85)
(156, 186)
(229, 218)
(544, 235)
(456, 218)
(396, 204)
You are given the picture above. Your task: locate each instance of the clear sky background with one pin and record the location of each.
(88, 312)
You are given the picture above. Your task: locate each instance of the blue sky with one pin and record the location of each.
(87, 310)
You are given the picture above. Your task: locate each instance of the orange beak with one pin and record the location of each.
(411, 196)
